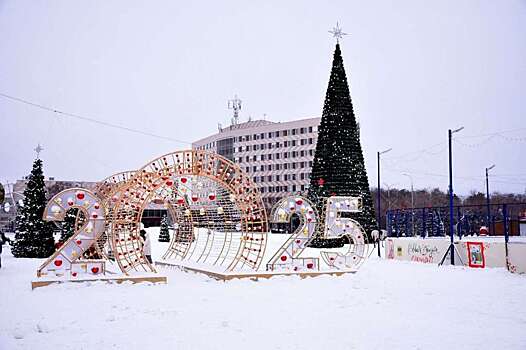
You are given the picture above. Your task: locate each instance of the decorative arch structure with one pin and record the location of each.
(221, 216)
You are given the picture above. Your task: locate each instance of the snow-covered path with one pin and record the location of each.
(386, 305)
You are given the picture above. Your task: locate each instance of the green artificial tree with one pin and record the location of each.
(68, 226)
(33, 235)
(164, 235)
(338, 168)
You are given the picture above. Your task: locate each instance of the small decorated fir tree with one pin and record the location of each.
(33, 235)
(164, 234)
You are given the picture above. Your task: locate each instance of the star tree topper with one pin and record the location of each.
(38, 149)
(337, 32)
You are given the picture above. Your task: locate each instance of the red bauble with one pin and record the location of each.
(58, 263)
(96, 206)
(80, 195)
(298, 241)
(283, 258)
(94, 215)
(180, 200)
(74, 274)
(169, 183)
(212, 196)
(79, 242)
(310, 265)
(184, 179)
(299, 201)
(95, 270)
(194, 198)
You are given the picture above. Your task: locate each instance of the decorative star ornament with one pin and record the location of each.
(38, 149)
(337, 32)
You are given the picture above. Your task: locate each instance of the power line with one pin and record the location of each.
(88, 119)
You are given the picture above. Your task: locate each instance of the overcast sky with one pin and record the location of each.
(415, 69)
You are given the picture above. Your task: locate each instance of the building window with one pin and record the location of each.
(269, 178)
(262, 168)
(302, 165)
(247, 159)
(310, 141)
(255, 179)
(278, 166)
(255, 147)
(254, 158)
(285, 143)
(240, 160)
(270, 145)
(286, 166)
(270, 135)
(302, 153)
(254, 168)
(247, 169)
(310, 128)
(262, 136)
(247, 137)
(240, 139)
(277, 155)
(302, 176)
(284, 132)
(285, 154)
(293, 188)
(262, 157)
(293, 177)
(284, 188)
(311, 152)
(303, 142)
(262, 146)
(294, 154)
(294, 141)
(277, 144)
(302, 188)
(247, 148)
(285, 177)
(270, 156)
(240, 149)
(269, 167)
(310, 163)
(277, 177)
(293, 165)
(302, 131)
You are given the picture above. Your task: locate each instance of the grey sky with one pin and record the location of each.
(415, 69)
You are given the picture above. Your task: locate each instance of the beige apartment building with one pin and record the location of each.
(278, 156)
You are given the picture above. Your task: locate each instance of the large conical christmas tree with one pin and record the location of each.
(33, 235)
(338, 167)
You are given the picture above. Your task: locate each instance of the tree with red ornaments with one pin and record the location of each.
(338, 167)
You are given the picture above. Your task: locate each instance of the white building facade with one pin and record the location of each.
(278, 156)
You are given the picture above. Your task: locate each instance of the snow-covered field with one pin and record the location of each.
(386, 305)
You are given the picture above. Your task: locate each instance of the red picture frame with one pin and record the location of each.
(476, 256)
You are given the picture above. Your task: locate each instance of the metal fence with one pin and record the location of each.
(503, 220)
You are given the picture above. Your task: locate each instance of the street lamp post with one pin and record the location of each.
(487, 198)
(412, 204)
(451, 225)
(378, 199)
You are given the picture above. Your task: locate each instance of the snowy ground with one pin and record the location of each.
(386, 305)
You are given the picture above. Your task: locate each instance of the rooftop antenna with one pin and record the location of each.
(235, 105)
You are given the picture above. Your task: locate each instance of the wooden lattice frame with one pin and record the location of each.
(163, 173)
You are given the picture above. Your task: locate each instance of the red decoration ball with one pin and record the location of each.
(283, 258)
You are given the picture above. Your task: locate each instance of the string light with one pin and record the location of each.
(88, 119)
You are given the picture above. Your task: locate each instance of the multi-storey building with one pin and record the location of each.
(278, 156)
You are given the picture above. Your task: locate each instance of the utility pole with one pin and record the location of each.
(487, 198)
(451, 215)
(378, 199)
(412, 204)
